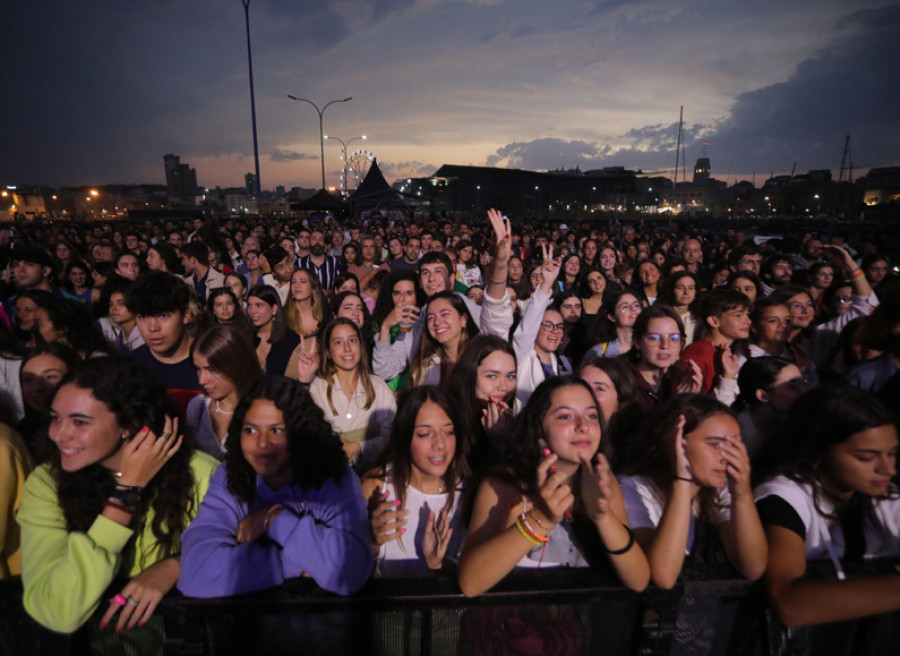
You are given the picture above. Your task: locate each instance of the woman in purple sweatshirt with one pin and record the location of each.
(284, 503)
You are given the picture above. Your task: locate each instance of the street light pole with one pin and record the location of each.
(321, 131)
(344, 147)
(246, 4)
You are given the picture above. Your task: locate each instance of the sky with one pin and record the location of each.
(98, 91)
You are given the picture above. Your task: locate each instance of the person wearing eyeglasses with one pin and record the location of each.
(658, 337)
(613, 336)
(539, 335)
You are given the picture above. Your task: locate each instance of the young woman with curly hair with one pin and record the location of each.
(104, 517)
(286, 503)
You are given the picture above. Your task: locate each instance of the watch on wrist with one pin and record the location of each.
(127, 495)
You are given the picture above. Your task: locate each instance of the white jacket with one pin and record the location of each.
(530, 371)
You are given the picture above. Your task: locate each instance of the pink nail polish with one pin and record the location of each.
(397, 502)
(403, 530)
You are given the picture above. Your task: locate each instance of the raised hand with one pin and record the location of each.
(556, 495)
(497, 415)
(307, 363)
(683, 469)
(734, 452)
(145, 454)
(436, 538)
(502, 235)
(386, 518)
(549, 269)
(596, 486)
(730, 364)
(691, 383)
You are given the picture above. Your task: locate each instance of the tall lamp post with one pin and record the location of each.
(344, 147)
(246, 4)
(321, 132)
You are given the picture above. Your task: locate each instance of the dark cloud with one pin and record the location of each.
(279, 155)
(848, 88)
(546, 153)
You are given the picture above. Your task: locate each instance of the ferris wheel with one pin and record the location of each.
(355, 167)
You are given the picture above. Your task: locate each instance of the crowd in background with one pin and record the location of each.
(222, 405)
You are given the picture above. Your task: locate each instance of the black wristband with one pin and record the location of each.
(619, 552)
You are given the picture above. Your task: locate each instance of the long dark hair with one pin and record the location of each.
(477, 446)
(136, 398)
(385, 302)
(397, 452)
(523, 451)
(315, 450)
(820, 419)
(654, 448)
(429, 346)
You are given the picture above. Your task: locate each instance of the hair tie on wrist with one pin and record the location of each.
(619, 552)
(683, 478)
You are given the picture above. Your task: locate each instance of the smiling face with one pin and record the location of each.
(344, 348)
(703, 448)
(84, 430)
(260, 312)
(773, 325)
(40, 376)
(264, 443)
(864, 463)
(495, 377)
(648, 273)
(802, 310)
(444, 323)
(608, 259)
(627, 309)
(78, 277)
(596, 282)
(571, 426)
(434, 278)
(604, 390)
(352, 308)
(550, 332)
(432, 447)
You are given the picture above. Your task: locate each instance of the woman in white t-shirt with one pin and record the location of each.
(414, 497)
(828, 495)
(692, 468)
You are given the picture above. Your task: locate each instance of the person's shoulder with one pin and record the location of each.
(203, 464)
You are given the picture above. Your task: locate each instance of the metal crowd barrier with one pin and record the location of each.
(545, 613)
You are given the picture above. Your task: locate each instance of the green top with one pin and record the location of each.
(66, 574)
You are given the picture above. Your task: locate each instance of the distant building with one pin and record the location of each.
(701, 171)
(181, 180)
(882, 186)
(250, 183)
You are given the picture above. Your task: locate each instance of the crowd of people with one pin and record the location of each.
(219, 406)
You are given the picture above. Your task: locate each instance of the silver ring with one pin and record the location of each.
(132, 602)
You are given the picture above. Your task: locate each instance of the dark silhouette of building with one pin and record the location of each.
(181, 180)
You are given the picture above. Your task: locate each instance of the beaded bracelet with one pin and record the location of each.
(619, 552)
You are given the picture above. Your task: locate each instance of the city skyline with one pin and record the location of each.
(104, 92)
